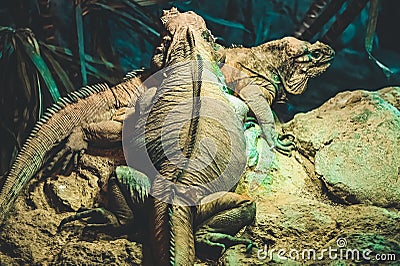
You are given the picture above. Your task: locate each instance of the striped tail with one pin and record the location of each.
(173, 240)
(54, 126)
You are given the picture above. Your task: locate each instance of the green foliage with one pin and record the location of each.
(26, 80)
(35, 72)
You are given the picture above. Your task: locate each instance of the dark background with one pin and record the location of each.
(263, 21)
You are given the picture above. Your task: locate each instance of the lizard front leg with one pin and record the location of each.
(67, 153)
(218, 221)
(260, 106)
(104, 134)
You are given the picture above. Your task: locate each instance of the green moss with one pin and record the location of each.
(267, 181)
(363, 117)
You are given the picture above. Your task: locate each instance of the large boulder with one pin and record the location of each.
(354, 140)
(299, 208)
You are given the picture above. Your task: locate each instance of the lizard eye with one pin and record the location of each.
(315, 54)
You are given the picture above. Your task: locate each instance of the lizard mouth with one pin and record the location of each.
(319, 68)
(324, 63)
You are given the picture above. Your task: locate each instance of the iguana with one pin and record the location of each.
(214, 218)
(198, 155)
(264, 74)
(93, 114)
(89, 115)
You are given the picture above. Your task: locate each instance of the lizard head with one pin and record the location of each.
(302, 61)
(179, 29)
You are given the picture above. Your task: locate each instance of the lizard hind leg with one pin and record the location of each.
(218, 222)
(127, 191)
(97, 217)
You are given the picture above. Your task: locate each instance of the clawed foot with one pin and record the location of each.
(67, 158)
(213, 245)
(97, 218)
(284, 143)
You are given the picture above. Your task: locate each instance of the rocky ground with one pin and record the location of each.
(338, 195)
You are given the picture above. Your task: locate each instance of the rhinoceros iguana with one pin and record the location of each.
(195, 141)
(263, 74)
(89, 115)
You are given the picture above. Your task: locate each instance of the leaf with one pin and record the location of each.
(6, 29)
(59, 71)
(27, 108)
(58, 49)
(128, 17)
(369, 37)
(147, 2)
(93, 71)
(143, 16)
(40, 98)
(81, 42)
(23, 75)
(8, 46)
(41, 66)
(102, 44)
(99, 74)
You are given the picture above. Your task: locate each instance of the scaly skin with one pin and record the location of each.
(86, 115)
(172, 226)
(264, 74)
(182, 182)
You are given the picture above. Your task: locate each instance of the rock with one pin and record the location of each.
(295, 217)
(354, 140)
(71, 193)
(296, 213)
(391, 95)
(29, 236)
(100, 253)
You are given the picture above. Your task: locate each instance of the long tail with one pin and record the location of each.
(172, 240)
(55, 125)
